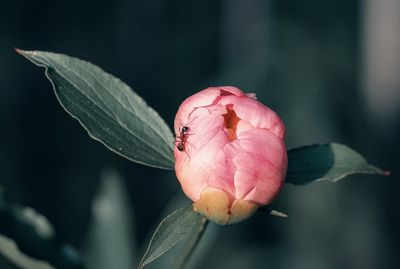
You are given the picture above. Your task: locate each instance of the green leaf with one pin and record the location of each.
(110, 242)
(9, 249)
(182, 224)
(189, 244)
(268, 210)
(108, 109)
(330, 162)
(34, 235)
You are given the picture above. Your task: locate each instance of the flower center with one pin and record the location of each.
(230, 123)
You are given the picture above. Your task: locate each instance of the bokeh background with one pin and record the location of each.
(331, 69)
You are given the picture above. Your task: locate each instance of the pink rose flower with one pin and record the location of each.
(230, 157)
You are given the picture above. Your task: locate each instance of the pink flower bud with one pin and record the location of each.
(230, 157)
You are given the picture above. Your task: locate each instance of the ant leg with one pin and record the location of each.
(191, 120)
(184, 149)
(190, 144)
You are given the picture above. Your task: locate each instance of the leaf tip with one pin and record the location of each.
(278, 214)
(20, 51)
(25, 53)
(387, 173)
(272, 212)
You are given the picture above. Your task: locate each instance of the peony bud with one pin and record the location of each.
(230, 157)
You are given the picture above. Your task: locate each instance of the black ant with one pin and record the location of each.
(181, 140)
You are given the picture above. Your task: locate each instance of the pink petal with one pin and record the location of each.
(203, 98)
(256, 113)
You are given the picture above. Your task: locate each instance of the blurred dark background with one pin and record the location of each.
(329, 68)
